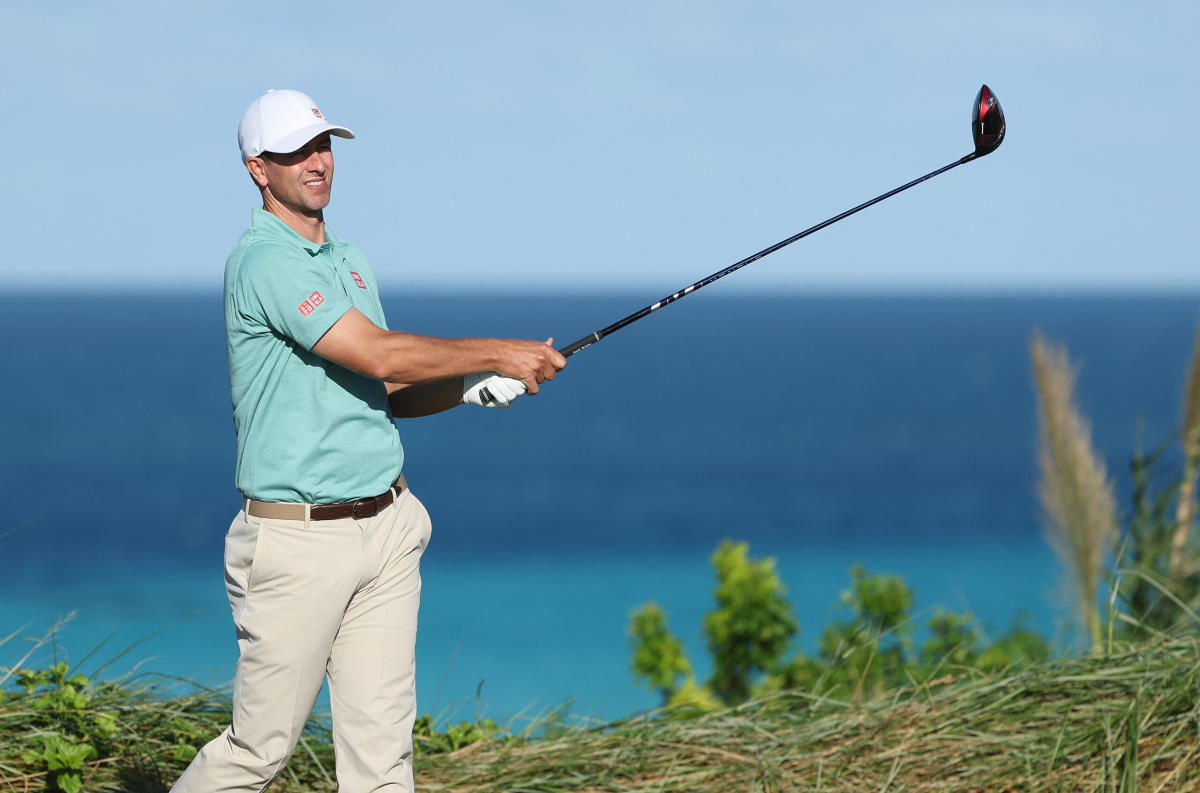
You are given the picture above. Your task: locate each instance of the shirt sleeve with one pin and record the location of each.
(291, 292)
(373, 308)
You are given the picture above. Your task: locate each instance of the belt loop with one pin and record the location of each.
(307, 515)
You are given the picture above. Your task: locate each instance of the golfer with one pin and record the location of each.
(322, 564)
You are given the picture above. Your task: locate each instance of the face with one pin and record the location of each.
(299, 181)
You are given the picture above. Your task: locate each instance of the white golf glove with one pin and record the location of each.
(503, 390)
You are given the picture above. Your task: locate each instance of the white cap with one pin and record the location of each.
(281, 122)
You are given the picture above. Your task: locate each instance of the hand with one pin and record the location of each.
(503, 390)
(530, 362)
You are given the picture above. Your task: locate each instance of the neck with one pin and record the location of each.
(310, 225)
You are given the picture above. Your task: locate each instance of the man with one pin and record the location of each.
(322, 564)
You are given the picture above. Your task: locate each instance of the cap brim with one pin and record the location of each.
(302, 136)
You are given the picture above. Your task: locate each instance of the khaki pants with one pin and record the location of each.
(311, 599)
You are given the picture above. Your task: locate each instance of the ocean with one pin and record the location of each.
(894, 431)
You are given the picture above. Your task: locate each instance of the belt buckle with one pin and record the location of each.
(372, 503)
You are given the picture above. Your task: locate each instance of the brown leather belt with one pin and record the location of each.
(360, 508)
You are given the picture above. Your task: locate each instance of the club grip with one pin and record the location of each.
(486, 396)
(576, 346)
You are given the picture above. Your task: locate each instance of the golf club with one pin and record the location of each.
(987, 130)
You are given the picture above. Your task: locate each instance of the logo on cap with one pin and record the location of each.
(317, 113)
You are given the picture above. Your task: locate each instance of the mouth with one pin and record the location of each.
(316, 184)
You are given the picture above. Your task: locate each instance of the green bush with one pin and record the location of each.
(752, 625)
(751, 628)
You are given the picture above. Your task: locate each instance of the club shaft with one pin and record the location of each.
(596, 336)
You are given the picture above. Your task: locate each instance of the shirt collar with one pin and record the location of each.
(264, 221)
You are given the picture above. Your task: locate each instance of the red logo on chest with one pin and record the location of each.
(358, 279)
(310, 305)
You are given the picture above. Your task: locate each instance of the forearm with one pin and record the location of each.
(424, 399)
(411, 359)
(358, 344)
(394, 357)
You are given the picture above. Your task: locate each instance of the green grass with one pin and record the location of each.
(1128, 721)
(1120, 723)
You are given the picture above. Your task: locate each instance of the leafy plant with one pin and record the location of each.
(752, 626)
(70, 729)
(429, 740)
(870, 651)
(953, 640)
(64, 760)
(658, 657)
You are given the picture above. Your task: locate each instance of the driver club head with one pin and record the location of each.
(987, 122)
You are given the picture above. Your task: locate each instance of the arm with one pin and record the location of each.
(424, 399)
(406, 358)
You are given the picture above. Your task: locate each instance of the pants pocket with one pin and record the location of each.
(241, 543)
(424, 523)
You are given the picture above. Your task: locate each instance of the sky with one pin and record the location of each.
(561, 147)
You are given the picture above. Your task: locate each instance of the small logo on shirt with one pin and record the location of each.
(310, 305)
(317, 113)
(358, 279)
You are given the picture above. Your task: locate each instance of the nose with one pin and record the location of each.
(315, 163)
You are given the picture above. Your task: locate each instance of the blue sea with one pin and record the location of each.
(893, 431)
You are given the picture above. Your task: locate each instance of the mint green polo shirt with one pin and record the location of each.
(308, 429)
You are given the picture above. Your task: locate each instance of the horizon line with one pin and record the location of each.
(578, 290)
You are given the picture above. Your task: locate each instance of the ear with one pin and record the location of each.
(258, 171)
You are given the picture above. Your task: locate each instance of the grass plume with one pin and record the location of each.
(1189, 432)
(1075, 491)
